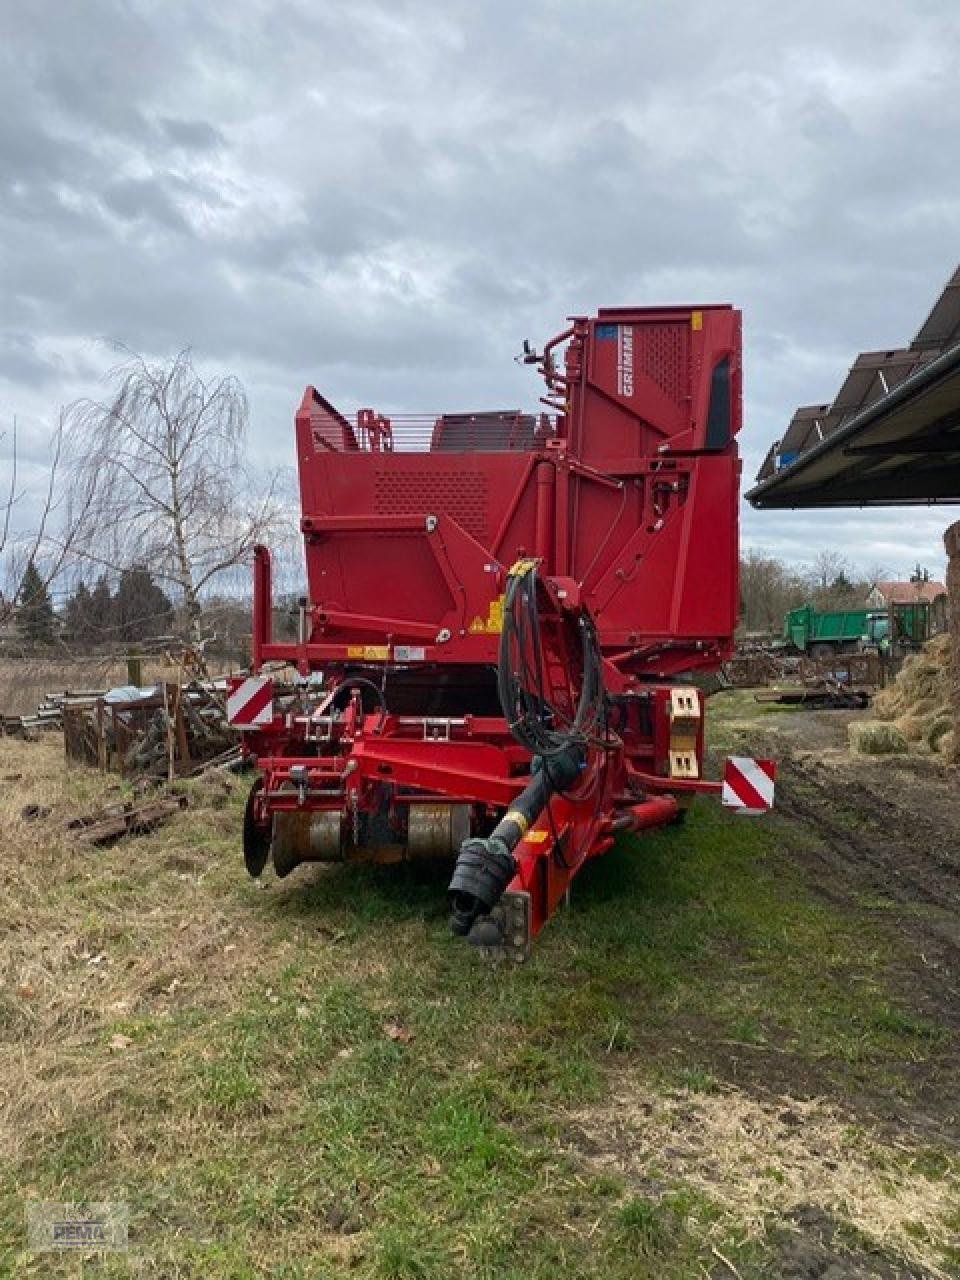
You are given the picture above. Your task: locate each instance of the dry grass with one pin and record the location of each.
(227, 1059)
(72, 970)
(757, 1158)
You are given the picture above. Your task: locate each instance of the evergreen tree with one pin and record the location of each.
(78, 616)
(35, 617)
(101, 611)
(141, 608)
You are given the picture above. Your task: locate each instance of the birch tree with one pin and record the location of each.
(164, 452)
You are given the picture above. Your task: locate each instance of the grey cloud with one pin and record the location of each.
(21, 361)
(386, 199)
(144, 199)
(195, 135)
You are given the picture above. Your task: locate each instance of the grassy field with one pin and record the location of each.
(314, 1079)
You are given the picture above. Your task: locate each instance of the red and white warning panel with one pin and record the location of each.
(250, 701)
(748, 784)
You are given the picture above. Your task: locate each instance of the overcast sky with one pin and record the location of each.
(385, 198)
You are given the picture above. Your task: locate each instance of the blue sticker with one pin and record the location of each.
(606, 332)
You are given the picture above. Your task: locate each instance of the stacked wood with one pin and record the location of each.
(166, 732)
(51, 710)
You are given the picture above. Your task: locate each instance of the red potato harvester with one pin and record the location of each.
(505, 610)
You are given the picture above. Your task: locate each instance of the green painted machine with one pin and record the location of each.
(826, 634)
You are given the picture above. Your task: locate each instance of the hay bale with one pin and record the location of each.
(926, 706)
(951, 543)
(919, 688)
(913, 728)
(937, 729)
(875, 738)
(939, 649)
(918, 701)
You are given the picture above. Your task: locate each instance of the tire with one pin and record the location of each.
(256, 840)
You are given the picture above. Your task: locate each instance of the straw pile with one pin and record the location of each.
(868, 738)
(917, 703)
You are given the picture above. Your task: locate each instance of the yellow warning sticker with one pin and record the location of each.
(520, 567)
(696, 320)
(372, 652)
(536, 837)
(492, 624)
(518, 819)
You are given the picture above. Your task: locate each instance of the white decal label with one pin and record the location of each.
(408, 653)
(625, 360)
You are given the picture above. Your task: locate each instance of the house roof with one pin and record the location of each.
(892, 433)
(910, 592)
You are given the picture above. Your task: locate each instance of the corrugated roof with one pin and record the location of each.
(804, 428)
(892, 435)
(941, 329)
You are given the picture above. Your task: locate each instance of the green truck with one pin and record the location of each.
(823, 635)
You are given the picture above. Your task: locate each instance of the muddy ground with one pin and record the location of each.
(887, 847)
(884, 846)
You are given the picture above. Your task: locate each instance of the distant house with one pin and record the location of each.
(921, 605)
(888, 593)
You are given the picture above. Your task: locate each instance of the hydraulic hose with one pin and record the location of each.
(557, 737)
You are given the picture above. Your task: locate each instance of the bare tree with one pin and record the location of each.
(164, 454)
(874, 573)
(40, 525)
(768, 589)
(828, 566)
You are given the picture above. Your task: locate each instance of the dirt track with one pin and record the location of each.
(886, 847)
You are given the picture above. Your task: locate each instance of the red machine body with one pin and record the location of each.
(623, 494)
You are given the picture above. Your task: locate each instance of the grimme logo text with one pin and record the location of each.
(625, 360)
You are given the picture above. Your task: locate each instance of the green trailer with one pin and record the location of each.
(912, 622)
(825, 634)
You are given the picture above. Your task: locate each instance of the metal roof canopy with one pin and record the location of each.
(903, 449)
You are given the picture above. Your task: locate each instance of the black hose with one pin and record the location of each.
(558, 740)
(351, 682)
(535, 721)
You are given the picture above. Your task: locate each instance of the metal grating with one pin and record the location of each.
(661, 351)
(462, 495)
(486, 432)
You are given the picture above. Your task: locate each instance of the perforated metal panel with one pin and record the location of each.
(462, 495)
(661, 351)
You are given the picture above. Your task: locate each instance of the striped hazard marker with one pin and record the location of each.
(250, 701)
(748, 784)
